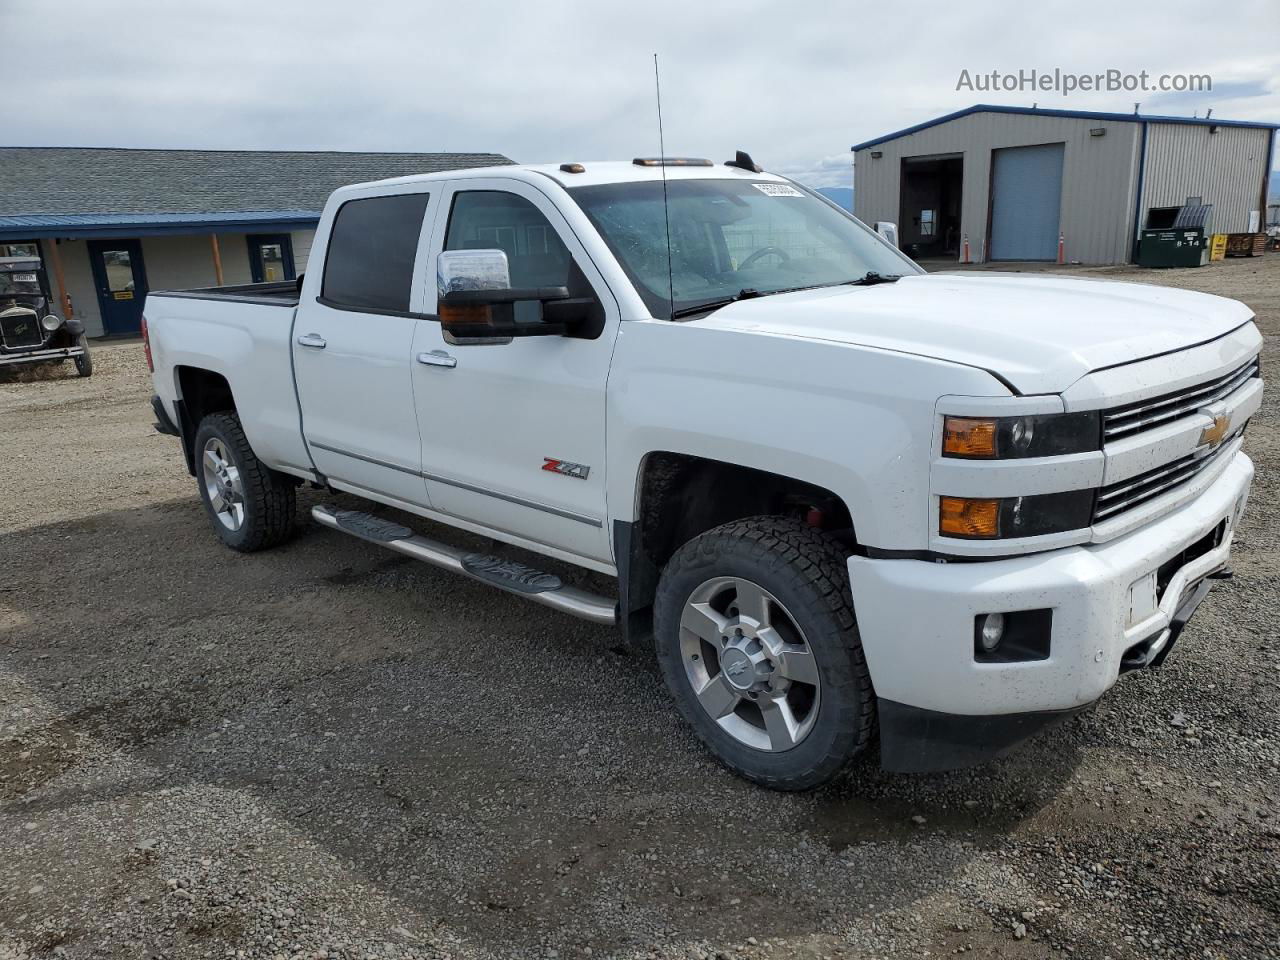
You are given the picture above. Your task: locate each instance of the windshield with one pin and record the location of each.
(25, 283)
(730, 237)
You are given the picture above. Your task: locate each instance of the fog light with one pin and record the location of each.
(992, 631)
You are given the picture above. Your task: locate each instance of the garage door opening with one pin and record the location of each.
(929, 208)
(1026, 201)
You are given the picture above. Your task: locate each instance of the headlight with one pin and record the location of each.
(51, 321)
(978, 519)
(1007, 438)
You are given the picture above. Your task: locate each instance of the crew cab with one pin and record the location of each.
(845, 499)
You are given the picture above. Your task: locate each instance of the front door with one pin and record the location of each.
(121, 282)
(270, 257)
(352, 350)
(513, 434)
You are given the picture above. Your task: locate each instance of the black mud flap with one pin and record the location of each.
(1181, 616)
(916, 740)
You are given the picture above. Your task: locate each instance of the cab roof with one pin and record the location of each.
(594, 172)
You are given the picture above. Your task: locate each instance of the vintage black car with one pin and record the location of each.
(30, 332)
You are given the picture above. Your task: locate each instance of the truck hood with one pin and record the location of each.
(1040, 334)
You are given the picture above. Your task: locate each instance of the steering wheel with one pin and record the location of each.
(764, 252)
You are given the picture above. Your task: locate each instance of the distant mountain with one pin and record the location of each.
(840, 195)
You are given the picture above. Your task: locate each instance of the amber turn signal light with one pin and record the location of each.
(969, 437)
(466, 314)
(963, 517)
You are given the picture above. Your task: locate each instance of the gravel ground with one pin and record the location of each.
(327, 750)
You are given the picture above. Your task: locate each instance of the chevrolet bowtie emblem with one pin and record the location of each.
(1213, 435)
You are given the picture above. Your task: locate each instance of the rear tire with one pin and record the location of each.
(791, 707)
(250, 506)
(84, 362)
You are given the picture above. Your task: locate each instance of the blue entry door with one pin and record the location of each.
(121, 282)
(1026, 202)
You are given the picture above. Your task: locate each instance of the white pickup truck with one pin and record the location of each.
(847, 500)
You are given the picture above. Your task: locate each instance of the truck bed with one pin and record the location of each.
(242, 333)
(283, 293)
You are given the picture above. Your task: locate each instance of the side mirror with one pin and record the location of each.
(889, 231)
(477, 302)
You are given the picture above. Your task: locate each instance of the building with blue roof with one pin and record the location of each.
(997, 183)
(110, 224)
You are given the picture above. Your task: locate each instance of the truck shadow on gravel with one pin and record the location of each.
(498, 769)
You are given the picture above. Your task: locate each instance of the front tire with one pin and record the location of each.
(759, 646)
(84, 362)
(250, 506)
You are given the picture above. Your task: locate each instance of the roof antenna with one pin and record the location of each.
(662, 163)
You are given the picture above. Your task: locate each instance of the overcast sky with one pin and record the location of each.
(556, 80)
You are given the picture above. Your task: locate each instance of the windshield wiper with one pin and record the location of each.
(871, 278)
(746, 293)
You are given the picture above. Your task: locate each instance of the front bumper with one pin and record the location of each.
(37, 356)
(916, 618)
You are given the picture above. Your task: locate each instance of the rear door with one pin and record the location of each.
(352, 347)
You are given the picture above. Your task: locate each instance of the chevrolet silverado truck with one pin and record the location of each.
(850, 503)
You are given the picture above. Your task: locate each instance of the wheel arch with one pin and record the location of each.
(201, 391)
(678, 496)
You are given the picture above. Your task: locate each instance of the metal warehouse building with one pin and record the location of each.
(1012, 180)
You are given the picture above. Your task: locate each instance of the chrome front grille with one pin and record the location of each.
(1135, 491)
(1134, 418)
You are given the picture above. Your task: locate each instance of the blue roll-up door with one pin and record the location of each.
(1026, 185)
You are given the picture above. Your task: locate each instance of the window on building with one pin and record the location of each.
(928, 223)
(372, 249)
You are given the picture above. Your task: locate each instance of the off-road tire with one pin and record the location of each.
(84, 362)
(270, 498)
(806, 571)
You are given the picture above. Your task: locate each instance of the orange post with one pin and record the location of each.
(964, 249)
(60, 278)
(217, 257)
(1062, 249)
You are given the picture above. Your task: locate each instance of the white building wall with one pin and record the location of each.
(75, 268)
(170, 262)
(302, 248)
(187, 261)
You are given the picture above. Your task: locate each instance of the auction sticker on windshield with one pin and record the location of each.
(778, 189)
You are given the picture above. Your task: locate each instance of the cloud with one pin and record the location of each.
(560, 80)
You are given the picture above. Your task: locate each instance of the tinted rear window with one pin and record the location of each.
(371, 252)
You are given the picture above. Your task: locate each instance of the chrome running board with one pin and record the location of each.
(509, 575)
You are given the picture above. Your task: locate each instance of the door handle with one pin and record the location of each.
(437, 358)
(312, 340)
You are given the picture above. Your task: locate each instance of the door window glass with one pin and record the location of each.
(272, 262)
(536, 256)
(372, 249)
(119, 270)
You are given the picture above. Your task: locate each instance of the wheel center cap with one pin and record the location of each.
(738, 668)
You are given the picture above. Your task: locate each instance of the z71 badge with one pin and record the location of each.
(565, 468)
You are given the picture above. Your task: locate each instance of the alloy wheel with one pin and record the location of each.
(749, 665)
